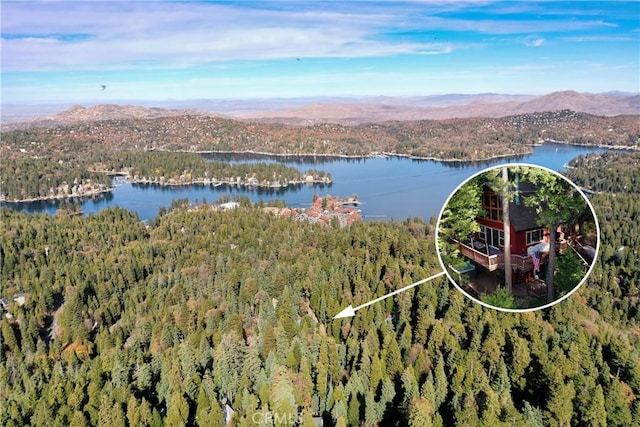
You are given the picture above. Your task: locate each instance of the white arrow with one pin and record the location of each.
(350, 311)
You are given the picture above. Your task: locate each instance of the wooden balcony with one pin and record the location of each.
(495, 259)
(490, 262)
(522, 263)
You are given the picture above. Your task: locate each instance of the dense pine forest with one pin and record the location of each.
(175, 322)
(611, 172)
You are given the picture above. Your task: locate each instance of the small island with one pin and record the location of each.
(88, 177)
(171, 150)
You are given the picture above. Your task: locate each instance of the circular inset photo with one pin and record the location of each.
(517, 237)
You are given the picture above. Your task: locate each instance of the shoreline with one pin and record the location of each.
(268, 154)
(201, 181)
(607, 146)
(440, 160)
(372, 155)
(298, 155)
(170, 184)
(59, 197)
(375, 154)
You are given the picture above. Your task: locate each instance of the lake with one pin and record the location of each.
(391, 188)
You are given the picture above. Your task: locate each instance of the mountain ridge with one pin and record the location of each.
(352, 111)
(491, 105)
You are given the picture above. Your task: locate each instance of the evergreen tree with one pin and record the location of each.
(618, 411)
(229, 357)
(560, 403)
(281, 398)
(178, 410)
(556, 203)
(420, 413)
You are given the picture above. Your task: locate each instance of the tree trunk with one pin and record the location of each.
(551, 263)
(507, 231)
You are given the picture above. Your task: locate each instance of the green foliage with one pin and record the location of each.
(88, 173)
(157, 326)
(570, 271)
(458, 220)
(555, 199)
(557, 203)
(611, 171)
(53, 178)
(500, 298)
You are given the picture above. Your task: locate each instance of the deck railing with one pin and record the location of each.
(496, 261)
(522, 263)
(490, 262)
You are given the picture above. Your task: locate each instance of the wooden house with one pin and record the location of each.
(486, 247)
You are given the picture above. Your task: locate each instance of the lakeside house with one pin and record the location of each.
(323, 210)
(526, 236)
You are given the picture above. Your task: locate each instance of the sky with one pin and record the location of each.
(64, 51)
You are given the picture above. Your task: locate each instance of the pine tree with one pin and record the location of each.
(618, 411)
(370, 415)
(441, 384)
(377, 373)
(307, 419)
(322, 373)
(532, 416)
(556, 203)
(79, 419)
(145, 413)
(339, 412)
(268, 341)
(596, 414)
(203, 405)
(560, 403)
(409, 388)
(133, 411)
(393, 360)
(229, 359)
(281, 398)
(353, 411)
(420, 413)
(178, 410)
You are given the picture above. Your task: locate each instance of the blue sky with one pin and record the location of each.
(61, 52)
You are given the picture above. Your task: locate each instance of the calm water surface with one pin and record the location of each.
(391, 188)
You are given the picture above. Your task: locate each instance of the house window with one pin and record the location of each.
(535, 236)
(492, 205)
(492, 236)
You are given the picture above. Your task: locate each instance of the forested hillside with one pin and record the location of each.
(612, 172)
(451, 139)
(162, 150)
(132, 325)
(88, 173)
(616, 179)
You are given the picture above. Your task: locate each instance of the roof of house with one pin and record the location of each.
(523, 217)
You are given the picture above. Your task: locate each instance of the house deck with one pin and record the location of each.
(494, 260)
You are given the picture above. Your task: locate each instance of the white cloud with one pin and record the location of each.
(144, 45)
(520, 68)
(112, 35)
(597, 38)
(532, 41)
(180, 34)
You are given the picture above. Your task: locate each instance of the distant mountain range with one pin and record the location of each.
(304, 111)
(451, 106)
